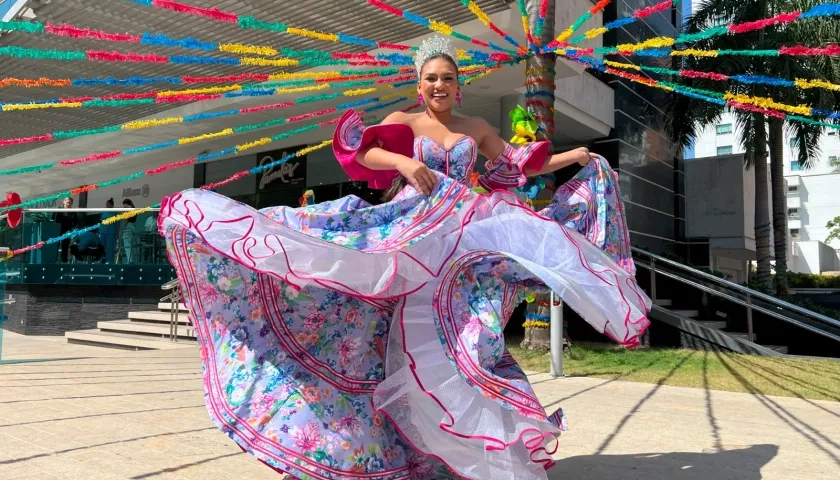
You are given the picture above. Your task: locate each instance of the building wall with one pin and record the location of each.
(650, 172)
(812, 198)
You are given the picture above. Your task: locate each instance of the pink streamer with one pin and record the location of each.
(235, 177)
(259, 77)
(91, 158)
(188, 98)
(831, 50)
(75, 32)
(29, 248)
(104, 56)
(766, 22)
(709, 75)
(753, 108)
(304, 116)
(352, 56)
(163, 168)
(648, 11)
(213, 13)
(18, 141)
(266, 107)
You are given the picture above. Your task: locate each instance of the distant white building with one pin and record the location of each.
(813, 195)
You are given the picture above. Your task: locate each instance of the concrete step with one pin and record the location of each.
(663, 302)
(123, 341)
(157, 317)
(715, 324)
(166, 306)
(687, 313)
(742, 336)
(145, 328)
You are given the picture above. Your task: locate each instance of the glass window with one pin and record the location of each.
(793, 189)
(724, 150)
(794, 232)
(724, 128)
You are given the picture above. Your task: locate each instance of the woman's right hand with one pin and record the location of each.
(418, 175)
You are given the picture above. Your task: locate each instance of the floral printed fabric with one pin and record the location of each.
(291, 373)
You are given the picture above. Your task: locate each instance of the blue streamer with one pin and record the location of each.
(701, 97)
(653, 52)
(220, 153)
(395, 58)
(164, 41)
(761, 79)
(207, 60)
(131, 81)
(202, 116)
(825, 10)
(619, 23)
(356, 40)
(416, 18)
(386, 105)
(357, 103)
(147, 148)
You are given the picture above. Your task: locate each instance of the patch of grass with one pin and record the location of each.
(787, 377)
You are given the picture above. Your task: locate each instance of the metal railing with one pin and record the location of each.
(174, 299)
(749, 296)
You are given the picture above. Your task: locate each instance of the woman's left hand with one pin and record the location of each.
(584, 155)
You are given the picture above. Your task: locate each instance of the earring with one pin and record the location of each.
(419, 99)
(458, 98)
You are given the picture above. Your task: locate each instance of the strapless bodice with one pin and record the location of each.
(456, 161)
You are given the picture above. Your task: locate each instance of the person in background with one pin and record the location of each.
(129, 227)
(151, 223)
(87, 244)
(67, 221)
(108, 233)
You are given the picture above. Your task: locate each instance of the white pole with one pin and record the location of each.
(556, 337)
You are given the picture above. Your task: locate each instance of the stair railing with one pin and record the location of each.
(174, 299)
(777, 306)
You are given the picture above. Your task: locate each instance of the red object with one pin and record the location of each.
(13, 217)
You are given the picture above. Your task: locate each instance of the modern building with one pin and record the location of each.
(812, 199)
(617, 118)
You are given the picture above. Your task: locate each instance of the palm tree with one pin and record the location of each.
(755, 128)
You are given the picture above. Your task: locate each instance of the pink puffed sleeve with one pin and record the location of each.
(351, 136)
(508, 169)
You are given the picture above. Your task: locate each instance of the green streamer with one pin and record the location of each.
(251, 22)
(29, 27)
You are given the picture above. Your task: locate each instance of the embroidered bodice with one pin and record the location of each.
(457, 161)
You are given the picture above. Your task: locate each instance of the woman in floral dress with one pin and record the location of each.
(346, 341)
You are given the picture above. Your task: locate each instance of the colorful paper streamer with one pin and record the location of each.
(133, 213)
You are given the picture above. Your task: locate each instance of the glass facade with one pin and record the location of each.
(650, 167)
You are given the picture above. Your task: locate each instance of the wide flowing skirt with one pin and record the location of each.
(349, 341)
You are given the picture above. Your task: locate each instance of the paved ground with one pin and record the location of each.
(107, 414)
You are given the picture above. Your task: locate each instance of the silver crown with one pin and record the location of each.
(434, 45)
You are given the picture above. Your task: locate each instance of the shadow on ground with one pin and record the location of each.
(742, 464)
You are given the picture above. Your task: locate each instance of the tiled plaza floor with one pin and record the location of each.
(94, 413)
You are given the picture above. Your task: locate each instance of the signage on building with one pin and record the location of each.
(291, 173)
(143, 191)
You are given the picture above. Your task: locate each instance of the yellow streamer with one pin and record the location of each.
(658, 42)
(124, 215)
(309, 88)
(10, 107)
(440, 27)
(476, 10)
(255, 143)
(303, 75)
(629, 66)
(206, 136)
(311, 149)
(241, 49)
(200, 91)
(154, 122)
(359, 91)
(267, 62)
(805, 83)
(330, 37)
(693, 52)
(590, 34)
(398, 93)
(768, 103)
(564, 35)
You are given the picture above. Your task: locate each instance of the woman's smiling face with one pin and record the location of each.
(439, 84)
